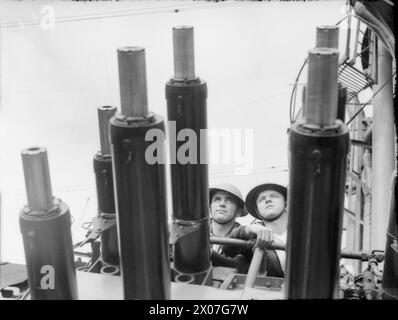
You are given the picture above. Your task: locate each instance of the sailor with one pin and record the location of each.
(268, 204)
(226, 204)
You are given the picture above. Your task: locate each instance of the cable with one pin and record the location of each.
(294, 90)
(340, 21)
(86, 17)
(117, 14)
(87, 225)
(81, 217)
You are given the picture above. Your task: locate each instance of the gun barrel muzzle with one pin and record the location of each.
(105, 113)
(132, 79)
(37, 178)
(184, 59)
(327, 37)
(321, 93)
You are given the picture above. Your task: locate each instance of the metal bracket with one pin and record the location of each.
(100, 225)
(178, 230)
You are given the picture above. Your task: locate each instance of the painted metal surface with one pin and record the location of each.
(46, 234)
(383, 147)
(105, 192)
(140, 189)
(318, 150)
(187, 115)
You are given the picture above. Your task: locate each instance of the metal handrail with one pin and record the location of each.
(346, 60)
(363, 256)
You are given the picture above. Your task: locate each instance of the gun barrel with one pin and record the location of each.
(187, 109)
(132, 81)
(327, 37)
(321, 93)
(45, 227)
(37, 178)
(105, 113)
(140, 188)
(184, 58)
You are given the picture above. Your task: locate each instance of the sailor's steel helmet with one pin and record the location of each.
(234, 191)
(251, 198)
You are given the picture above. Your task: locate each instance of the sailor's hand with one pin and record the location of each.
(263, 235)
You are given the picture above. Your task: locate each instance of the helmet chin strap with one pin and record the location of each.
(225, 222)
(274, 218)
(237, 214)
(271, 219)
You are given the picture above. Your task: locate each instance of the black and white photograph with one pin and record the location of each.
(198, 150)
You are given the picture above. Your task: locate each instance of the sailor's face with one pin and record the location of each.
(223, 207)
(270, 204)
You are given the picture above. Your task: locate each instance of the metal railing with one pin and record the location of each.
(350, 72)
